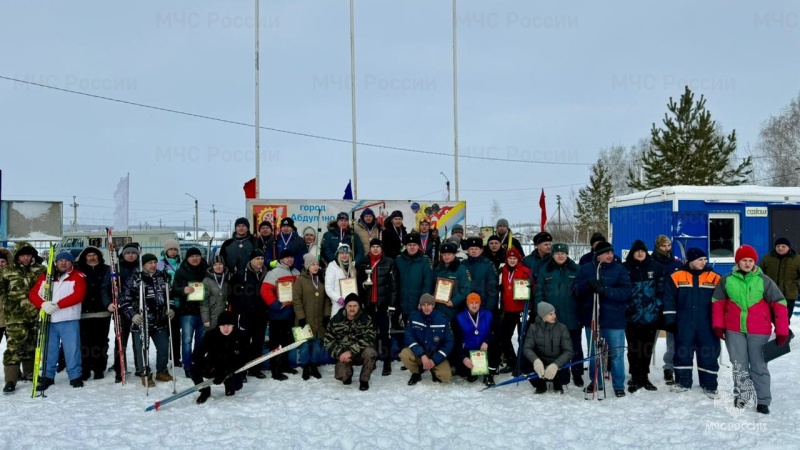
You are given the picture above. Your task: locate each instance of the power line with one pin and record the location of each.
(295, 133)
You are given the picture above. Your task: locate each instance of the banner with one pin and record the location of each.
(121, 204)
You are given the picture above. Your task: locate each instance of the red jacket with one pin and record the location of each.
(69, 290)
(520, 273)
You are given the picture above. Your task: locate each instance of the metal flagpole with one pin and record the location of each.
(455, 98)
(353, 97)
(258, 122)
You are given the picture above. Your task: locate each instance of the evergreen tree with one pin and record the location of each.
(592, 202)
(690, 150)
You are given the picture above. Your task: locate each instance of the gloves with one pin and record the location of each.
(340, 302)
(325, 321)
(781, 339)
(597, 286)
(218, 379)
(138, 319)
(171, 314)
(538, 367)
(301, 323)
(720, 332)
(550, 372)
(49, 307)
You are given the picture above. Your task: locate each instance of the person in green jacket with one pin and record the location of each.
(782, 265)
(451, 268)
(349, 339)
(481, 270)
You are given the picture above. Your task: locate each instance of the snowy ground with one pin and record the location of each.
(325, 414)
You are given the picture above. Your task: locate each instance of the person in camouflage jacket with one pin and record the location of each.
(349, 340)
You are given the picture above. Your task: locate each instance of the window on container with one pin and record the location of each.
(723, 235)
(96, 242)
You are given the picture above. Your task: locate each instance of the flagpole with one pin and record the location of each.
(353, 96)
(127, 203)
(455, 98)
(258, 122)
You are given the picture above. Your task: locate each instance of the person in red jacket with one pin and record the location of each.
(512, 309)
(64, 308)
(745, 321)
(281, 310)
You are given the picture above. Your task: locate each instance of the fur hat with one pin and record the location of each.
(542, 237)
(544, 308)
(351, 298)
(27, 249)
(448, 247)
(474, 242)
(695, 253)
(171, 243)
(147, 257)
(745, 251)
(413, 238)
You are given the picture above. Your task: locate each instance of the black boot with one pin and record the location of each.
(10, 387)
(205, 394)
(488, 380)
(257, 373)
(277, 374)
(44, 383)
(306, 372)
(763, 409)
(387, 368)
(315, 372)
(363, 386)
(577, 380)
(668, 377)
(76, 383)
(415, 377)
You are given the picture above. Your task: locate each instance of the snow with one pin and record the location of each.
(37, 236)
(716, 194)
(31, 210)
(391, 415)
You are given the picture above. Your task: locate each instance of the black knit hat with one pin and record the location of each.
(782, 241)
(193, 251)
(602, 247)
(396, 213)
(285, 253)
(342, 216)
(493, 237)
(638, 245)
(147, 257)
(226, 318)
(288, 222)
(255, 253)
(241, 221)
(265, 224)
(375, 241)
(597, 237)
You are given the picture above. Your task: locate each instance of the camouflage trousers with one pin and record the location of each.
(21, 342)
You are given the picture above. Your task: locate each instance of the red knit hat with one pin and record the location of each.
(513, 252)
(745, 251)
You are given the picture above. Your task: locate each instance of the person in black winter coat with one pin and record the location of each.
(393, 235)
(245, 301)
(219, 355)
(662, 254)
(188, 277)
(378, 296)
(95, 313)
(235, 251)
(644, 313)
(128, 265)
(265, 241)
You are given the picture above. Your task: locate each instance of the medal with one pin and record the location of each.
(476, 332)
(240, 245)
(316, 294)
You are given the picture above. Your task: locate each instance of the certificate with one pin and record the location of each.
(302, 334)
(199, 293)
(444, 290)
(486, 233)
(347, 286)
(285, 291)
(480, 362)
(521, 290)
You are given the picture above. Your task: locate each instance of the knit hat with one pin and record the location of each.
(413, 238)
(544, 308)
(342, 216)
(218, 259)
(474, 242)
(147, 257)
(597, 237)
(695, 253)
(308, 260)
(395, 213)
(426, 299)
(226, 318)
(242, 221)
(375, 241)
(343, 248)
(458, 229)
(602, 247)
(285, 253)
(782, 241)
(493, 237)
(745, 251)
(255, 253)
(455, 240)
(171, 243)
(130, 248)
(473, 298)
(309, 231)
(638, 245)
(288, 222)
(65, 255)
(367, 212)
(265, 224)
(351, 298)
(513, 252)
(502, 223)
(448, 247)
(542, 237)
(662, 239)
(560, 247)
(193, 251)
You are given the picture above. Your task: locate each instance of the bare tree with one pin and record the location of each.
(496, 211)
(778, 148)
(620, 161)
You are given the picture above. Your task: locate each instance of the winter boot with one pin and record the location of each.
(634, 385)
(163, 376)
(488, 380)
(348, 381)
(415, 378)
(11, 374)
(363, 386)
(315, 372)
(9, 387)
(205, 394)
(277, 374)
(98, 375)
(85, 376)
(577, 380)
(763, 409)
(306, 372)
(619, 393)
(668, 377)
(257, 373)
(558, 388)
(147, 380)
(76, 383)
(44, 383)
(648, 386)
(387, 368)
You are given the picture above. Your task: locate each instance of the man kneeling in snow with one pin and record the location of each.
(429, 341)
(219, 355)
(349, 339)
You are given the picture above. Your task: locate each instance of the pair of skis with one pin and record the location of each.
(40, 357)
(115, 288)
(280, 350)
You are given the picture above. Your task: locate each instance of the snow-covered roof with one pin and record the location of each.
(710, 193)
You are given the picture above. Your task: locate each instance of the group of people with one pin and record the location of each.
(369, 293)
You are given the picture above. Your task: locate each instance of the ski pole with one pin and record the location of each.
(171, 355)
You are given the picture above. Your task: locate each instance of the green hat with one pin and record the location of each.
(561, 247)
(147, 257)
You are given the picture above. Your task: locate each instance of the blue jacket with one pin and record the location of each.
(429, 335)
(466, 331)
(615, 300)
(688, 297)
(296, 245)
(646, 306)
(669, 263)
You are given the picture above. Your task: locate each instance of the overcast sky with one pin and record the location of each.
(540, 82)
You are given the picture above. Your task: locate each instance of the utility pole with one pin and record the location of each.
(447, 185)
(214, 221)
(74, 214)
(558, 210)
(196, 215)
(159, 224)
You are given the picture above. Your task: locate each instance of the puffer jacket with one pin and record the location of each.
(68, 290)
(366, 234)
(236, 252)
(184, 276)
(749, 303)
(784, 271)
(352, 336)
(217, 354)
(155, 294)
(216, 287)
(646, 306)
(554, 286)
(269, 292)
(333, 274)
(245, 296)
(613, 303)
(414, 278)
(688, 298)
(383, 292)
(335, 236)
(98, 289)
(549, 342)
(466, 331)
(429, 335)
(310, 302)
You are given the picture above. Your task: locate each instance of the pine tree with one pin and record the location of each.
(690, 150)
(592, 202)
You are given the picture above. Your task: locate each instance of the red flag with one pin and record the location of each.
(543, 207)
(250, 189)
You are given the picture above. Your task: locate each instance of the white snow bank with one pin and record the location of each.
(31, 210)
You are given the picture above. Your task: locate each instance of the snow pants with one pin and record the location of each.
(700, 341)
(747, 358)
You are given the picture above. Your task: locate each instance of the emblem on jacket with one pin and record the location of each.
(649, 275)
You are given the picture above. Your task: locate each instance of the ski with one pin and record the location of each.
(208, 383)
(40, 357)
(112, 255)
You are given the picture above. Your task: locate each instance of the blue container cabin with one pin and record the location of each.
(717, 219)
